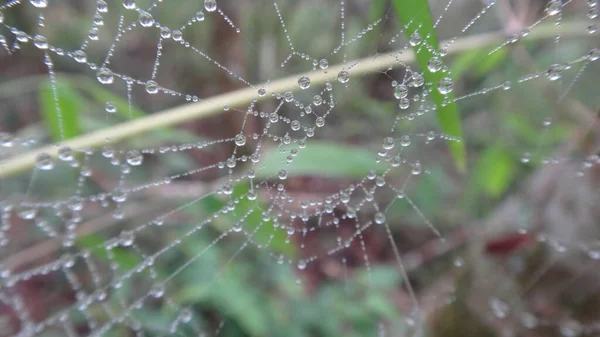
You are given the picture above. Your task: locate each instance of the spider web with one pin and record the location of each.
(121, 230)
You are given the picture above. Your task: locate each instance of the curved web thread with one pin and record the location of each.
(98, 277)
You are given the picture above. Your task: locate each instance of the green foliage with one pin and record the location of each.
(321, 159)
(416, 17)
(495, 171)
(61, 109)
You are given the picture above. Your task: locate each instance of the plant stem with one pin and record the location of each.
(214, 105)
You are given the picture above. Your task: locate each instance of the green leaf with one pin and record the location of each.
(416, 17)
(322, 159)
(495, 171)
(61, 116)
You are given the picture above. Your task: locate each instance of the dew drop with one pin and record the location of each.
(404, 103)
(304, 82)
(110, 107)
(343, 76)
(388, 143)
(157, 291)
(126, 238)
(282, 174)
(434, 64)
(210, 5)
(146, 19)
(129, 4)
(151, 87)
(317, 100)
(185, 315)
(323, 64)
(445, 86)
(262, 92)
(554, 72)
(415, 39)
(65, 153)
(379, 218)
(134, 157)
(105, 76)
(79, 56)
(199, 16)
(320, 122)
(401, 91)
(240, 139)
(43, 161)
(273, 117)
(554, 7)
(40, 42)
(39, 3)
(295, 125)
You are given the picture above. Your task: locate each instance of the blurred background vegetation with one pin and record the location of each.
(235, 289)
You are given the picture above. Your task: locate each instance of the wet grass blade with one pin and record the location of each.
(64, 124)
(416, 18)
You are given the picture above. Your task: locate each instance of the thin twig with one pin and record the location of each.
(213, 106)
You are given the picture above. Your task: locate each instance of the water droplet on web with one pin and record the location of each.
(323, 64)
(594, 54)
(126, 238)
(134, 157)
(417, 80)
(388, 143)
(165, 32)
(1, 17)
(506, 85)
(320, 122)
(401, 91)
(304, 82)
(288, 96)
(301, 264)
(262, 92)
(317, 100)
(151, 87)
(240, 139)
(119, 196)
(65, 153)
(434, 64)
(343, 76)
(417, 168)
(415, 39)
(26, 212)
(591, 29)
(157, 291)
(379, 218)
(75, 203)
(80, 56)
(40, 42)
(110, 107)
(43, 161)
(554, 7)
(404, 103)
(445, 86)
(295, 125)
(146, 19)
(129, 4)
(251, 195)
(282, 174)
(39, 3)
(177, 35)
(405, 140)
(554, 72)
(199, 16)
(273, 117)
(105, 76)
(185, 315)
(210, 5)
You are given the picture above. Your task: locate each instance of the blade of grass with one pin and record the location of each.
(214, 105)
(68, 102)
(416, 17)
